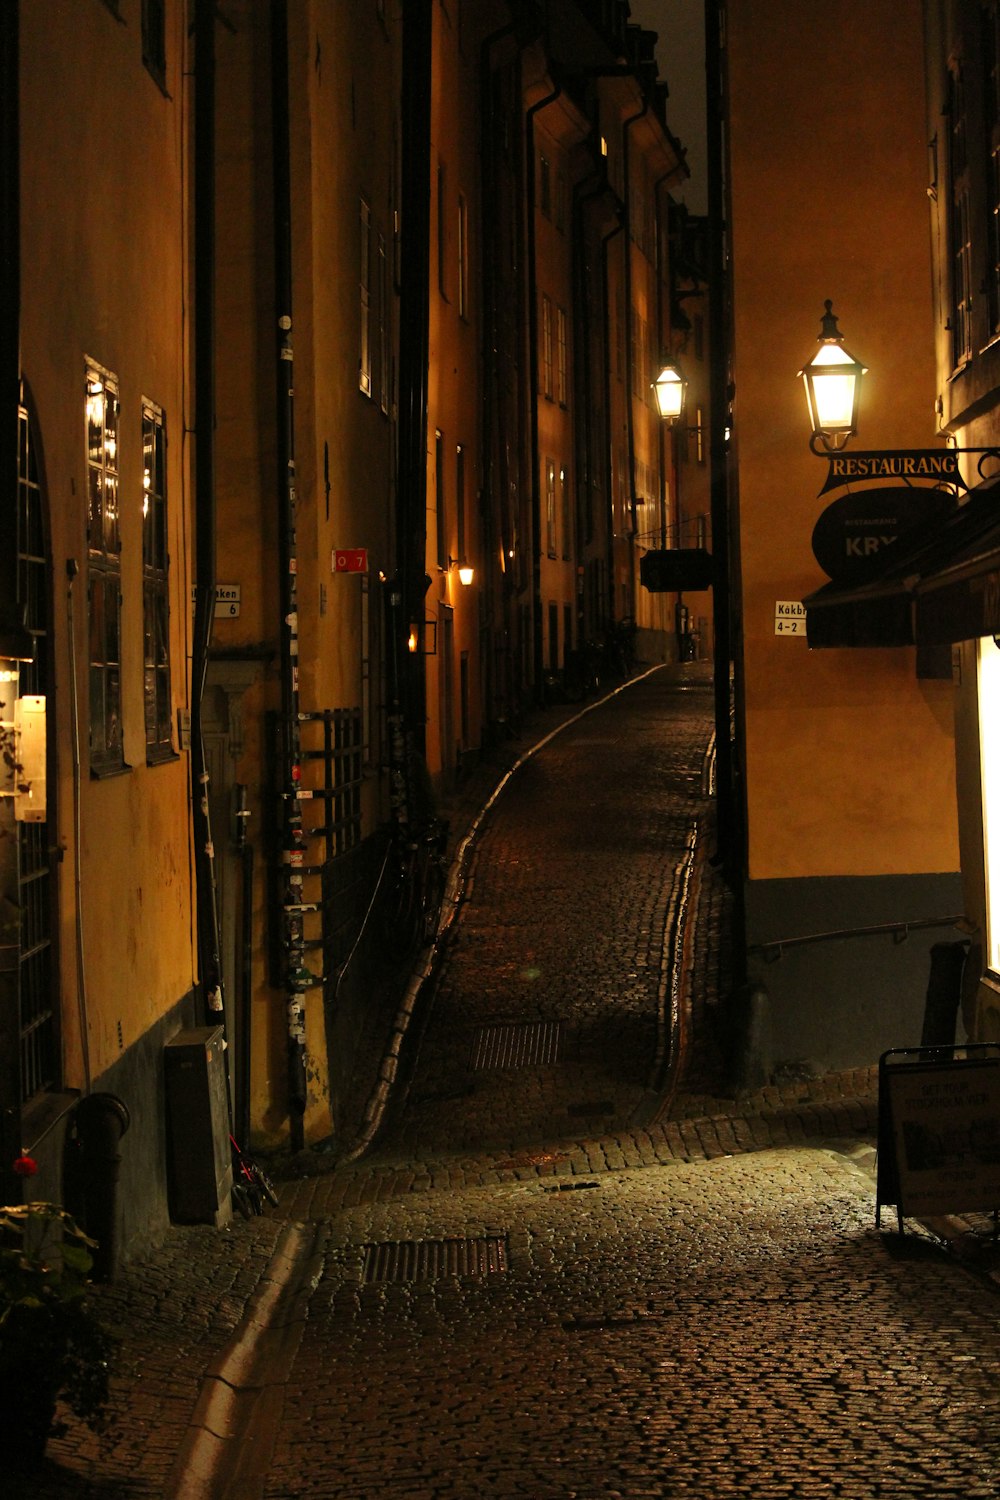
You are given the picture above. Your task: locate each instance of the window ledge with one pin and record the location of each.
(42, 1113)
(107, 773)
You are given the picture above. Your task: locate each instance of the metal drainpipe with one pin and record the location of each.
(411, 534)
(661, 434)
(498, 505)
(582, 363)
(719, 344)
(209, 957)
(610, 477)
(538, 658)
(15, 639)
(629, 396)
(292, 841)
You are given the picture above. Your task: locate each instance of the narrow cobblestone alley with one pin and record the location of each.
(568, 1267)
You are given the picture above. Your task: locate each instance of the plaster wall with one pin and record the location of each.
(848, 758)
(103, 276)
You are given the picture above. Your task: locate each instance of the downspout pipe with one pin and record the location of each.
(629, 394)
(15, 639)
(209, 957)
(414, 354)
(585, 454)
(608, 445)
(11, 618)
(495, 504)
(537, 642)
(719, 346)
(296, 973)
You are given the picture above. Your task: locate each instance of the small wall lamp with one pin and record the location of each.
(670, 389)
(832, 379)
(466, 573)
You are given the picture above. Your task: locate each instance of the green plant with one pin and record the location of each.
(52, 1346)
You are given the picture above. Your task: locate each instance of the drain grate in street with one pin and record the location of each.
(516, 1044)
(569, 1187)
(430, 1260)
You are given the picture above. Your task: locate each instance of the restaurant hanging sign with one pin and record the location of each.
(853, 532)
(937, 464)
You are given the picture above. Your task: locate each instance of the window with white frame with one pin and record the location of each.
(562, 358)
(103, 571)
(155, 585)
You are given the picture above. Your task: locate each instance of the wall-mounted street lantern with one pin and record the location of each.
(466, 573)
(832, 379)
(670, 388)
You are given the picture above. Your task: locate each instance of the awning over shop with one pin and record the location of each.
(937, 583)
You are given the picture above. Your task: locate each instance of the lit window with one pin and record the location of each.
(550, 506)
(567, 519)
(155, 585)
(104, 572)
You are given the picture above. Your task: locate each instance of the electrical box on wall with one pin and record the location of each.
(29, 730)
(200, 1163)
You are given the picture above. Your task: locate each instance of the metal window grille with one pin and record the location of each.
(36, 981)
(104, 571)
(155, 585)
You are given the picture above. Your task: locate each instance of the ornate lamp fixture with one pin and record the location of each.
(832, 380)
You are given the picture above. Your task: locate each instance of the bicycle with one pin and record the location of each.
(413, 904)
(251, 1184)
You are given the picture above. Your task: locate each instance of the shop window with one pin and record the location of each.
(104, 572)
(155, 585)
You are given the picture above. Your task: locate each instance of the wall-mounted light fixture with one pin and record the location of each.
(466, 573)
(670, 389)
(832, 379)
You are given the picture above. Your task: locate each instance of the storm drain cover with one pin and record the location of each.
(430, 1260)
(516, 1044)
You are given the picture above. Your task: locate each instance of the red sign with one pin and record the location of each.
(350, 560)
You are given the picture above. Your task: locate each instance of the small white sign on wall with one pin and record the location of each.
(789, 617)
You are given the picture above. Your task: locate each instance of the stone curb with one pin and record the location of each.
(234, 1421)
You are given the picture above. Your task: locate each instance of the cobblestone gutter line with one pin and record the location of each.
(233, 1427)
(427, 959)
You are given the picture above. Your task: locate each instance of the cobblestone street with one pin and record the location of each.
(570, 1265)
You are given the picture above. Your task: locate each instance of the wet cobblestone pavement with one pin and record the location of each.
(570, 1266)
